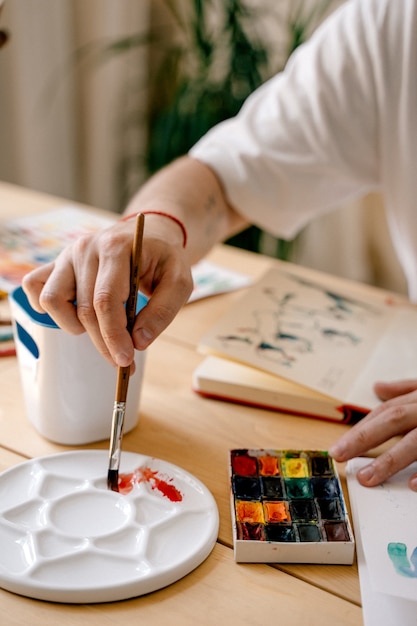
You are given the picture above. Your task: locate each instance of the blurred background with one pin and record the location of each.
(97, 94)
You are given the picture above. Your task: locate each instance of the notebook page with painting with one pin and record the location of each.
(384, 525)
(296, 344)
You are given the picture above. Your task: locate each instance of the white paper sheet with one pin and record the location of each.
(385, 525)
(211, 279)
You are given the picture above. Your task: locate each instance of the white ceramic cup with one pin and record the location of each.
(68, 386)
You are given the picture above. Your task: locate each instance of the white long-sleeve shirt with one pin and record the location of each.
(339, 122)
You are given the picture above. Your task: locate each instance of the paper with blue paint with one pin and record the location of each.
(211, 279)
(384, 520)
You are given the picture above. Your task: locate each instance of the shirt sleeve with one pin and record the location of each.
(307, 140)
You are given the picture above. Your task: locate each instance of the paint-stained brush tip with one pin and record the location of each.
(113, 479)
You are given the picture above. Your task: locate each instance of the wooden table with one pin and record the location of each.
(179, 426)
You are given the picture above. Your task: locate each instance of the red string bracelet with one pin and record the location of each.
(171, 217)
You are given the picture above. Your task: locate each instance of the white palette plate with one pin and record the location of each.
(65, 537)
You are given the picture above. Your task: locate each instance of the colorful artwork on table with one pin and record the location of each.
(286, 497)
(30, 241)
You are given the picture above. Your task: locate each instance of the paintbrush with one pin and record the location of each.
(123, 373)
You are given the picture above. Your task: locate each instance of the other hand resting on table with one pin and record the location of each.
(396, 415)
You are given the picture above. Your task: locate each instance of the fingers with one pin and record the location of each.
(396, 417)
(389, 463)
(40, 289)
(34, 282)
(87, 287)
(102, 275)
(374, 429)
(104, 316)
(171, 293)
(387, 390)
(412, 483)
(85, 290)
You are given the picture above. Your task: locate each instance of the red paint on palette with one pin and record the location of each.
(146, 475)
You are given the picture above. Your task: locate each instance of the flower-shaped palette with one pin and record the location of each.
(66, 538)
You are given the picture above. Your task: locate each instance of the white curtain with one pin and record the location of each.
(59, 115)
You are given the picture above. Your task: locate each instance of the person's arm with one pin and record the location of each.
(94, 271)
(190, 191)
(279, 164)
(395, 416)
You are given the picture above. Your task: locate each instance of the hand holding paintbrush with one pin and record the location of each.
(123, 373)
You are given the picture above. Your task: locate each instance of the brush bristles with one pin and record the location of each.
(113, 479)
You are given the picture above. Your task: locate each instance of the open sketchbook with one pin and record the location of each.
(293, 343)
(384, 525)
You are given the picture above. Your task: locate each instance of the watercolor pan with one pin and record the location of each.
(288, 507)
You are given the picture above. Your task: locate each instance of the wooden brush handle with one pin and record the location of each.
(135, 272)
(122, 384)
(123, 373)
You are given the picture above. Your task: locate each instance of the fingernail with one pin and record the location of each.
(337, 450)
(366, 473)
(143, 337)
(122, 359)
(413, 483)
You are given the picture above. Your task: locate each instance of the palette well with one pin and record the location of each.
(65, 537)
(288, 507)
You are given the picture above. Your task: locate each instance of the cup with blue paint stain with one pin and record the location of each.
(68, 387)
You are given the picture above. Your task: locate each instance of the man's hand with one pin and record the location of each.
(86, 288)
(396, 416)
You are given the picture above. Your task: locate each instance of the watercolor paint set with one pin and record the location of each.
(288, 507)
